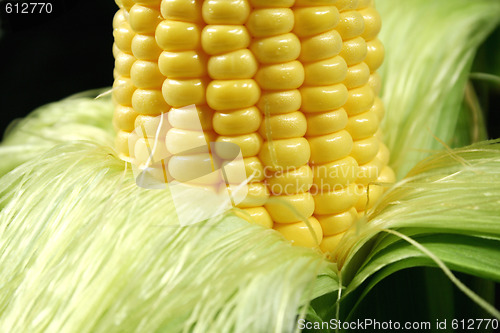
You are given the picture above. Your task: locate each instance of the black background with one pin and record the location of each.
(46, 57)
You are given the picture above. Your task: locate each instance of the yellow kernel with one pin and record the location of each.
(323, 98)
(308, 3)
(363, 125)
(237, 122)
(225, 11)
(144, 47)
(179, 93)
(375, 82)
(330, 147)
(184, 64)
(336, 201)
(123, 35)
(195, 169)
(123, 64)
(383, 154)
(144, 19)
(320, 123)
(386, 175)
(239, 64)
(291, 208)
(364, 3)
(286, 153)
(325, 72)
(149, 102)
(270, 22)
(256, 215)
(344, 5)
(232, 94)
(124, 118)
(322, 46)
(295, 181)
(373, 23)
(276, 49)
(365, 150)
(300, 233)
(375, 54)
(217, 39)
(145, 74)
(354, 51)
(357, 75)
(257, 195)
(181, 10)
(126, 4)
(284, 126)
(177, 36)
(149, 126)
(337, 223)
(369, 172)
(330, 243)
(378, 108)
(271, 3)
(250, 144)
(277, 102)
(180, 141)
(122, 144)
(150, 3)
(123, 90)
(351, 24)
(185, 118)
(311, 21)
(116, 51)
(360, 100)
(288, 75)
(331, 175)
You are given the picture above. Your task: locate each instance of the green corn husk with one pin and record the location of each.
(430, 49)
(83, 249)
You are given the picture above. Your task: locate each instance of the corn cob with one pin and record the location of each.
(292, 83)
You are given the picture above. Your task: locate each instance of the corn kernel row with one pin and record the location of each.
(292, 83)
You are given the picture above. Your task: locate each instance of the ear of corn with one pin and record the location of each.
(292, 83)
